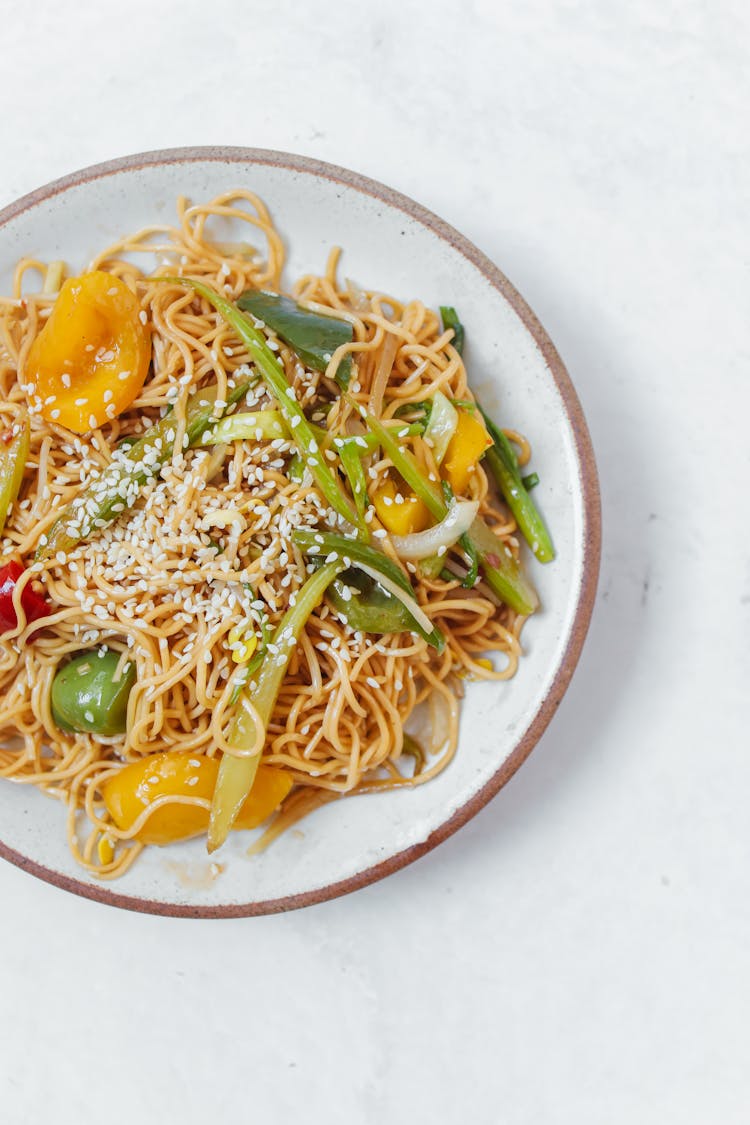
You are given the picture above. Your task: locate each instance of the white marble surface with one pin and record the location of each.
(581, 952)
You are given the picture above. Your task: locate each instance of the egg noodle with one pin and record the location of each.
(207, 546)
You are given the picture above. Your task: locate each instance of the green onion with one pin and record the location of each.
(103, 500)
(502, 571)
(237, 774)
(243, 674)
(312, 336)
(405, 463)
(276, 382)
(321, 545)
(503, 465)
(530, 481)
(352, 465)
(13, 459)
(467, 544)
(261, 425)
(450, 320)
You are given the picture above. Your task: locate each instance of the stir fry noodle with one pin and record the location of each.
(248, 536)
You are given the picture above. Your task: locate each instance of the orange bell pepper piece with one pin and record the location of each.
(175, 773)
(91, 358)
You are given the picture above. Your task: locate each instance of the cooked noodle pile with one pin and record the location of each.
(207, 546)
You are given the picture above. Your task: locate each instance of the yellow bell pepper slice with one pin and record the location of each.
(467, 445)
(91, 359)
(175, 773)
(401, 516)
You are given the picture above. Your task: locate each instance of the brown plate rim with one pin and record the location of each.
(591, 528)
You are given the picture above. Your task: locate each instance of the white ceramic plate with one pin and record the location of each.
(393, 244)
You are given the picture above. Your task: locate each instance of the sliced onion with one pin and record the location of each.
(383, 372)
(392, 587)
(422, 544)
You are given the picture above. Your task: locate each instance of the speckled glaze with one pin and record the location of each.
(393, 244)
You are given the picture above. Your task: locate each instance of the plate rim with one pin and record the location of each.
(591, 531)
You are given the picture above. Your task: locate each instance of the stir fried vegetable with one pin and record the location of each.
(400, 512)
(88, 695)
(118, 486)
(237, 774)
(355, 473)
(263, 425)
(158, 779)
(32, 603)
(450, 320)
(14, 452)
(501, 570)
(441, 426)
(312, 336)
(91, 358)
(504, 467)
(379, 567)
(468, 444)
(276, 382)
(441, 536)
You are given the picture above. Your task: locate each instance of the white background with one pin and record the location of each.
(581, 951)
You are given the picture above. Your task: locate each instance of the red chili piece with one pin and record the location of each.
(34, 604)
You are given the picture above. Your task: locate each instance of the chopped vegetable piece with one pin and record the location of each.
(88, 698)
(275, 379)
(406, 464)
(352, 465)
(423, 544)
(90, 360)
(501, 570)
(320, 545)
(450, 320)
(469, 549)
(504, 467)
(157, 779)
(33, 604)
(530, 481)
(13, 457)
(413, 749)
(312, 336)
(467, 445)
(441, 426)
(400, 514)
(53, 278)
(365, 605)
(102, 501)
(263, 425)
(237, 774)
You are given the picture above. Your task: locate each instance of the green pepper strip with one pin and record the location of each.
(502, 571)
(236, 775)
(13, 459)
(312, 336)
(504, 467)
(276, 381)
(103, 500)
(322, 543)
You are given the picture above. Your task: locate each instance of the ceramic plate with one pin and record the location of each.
(393, 244)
